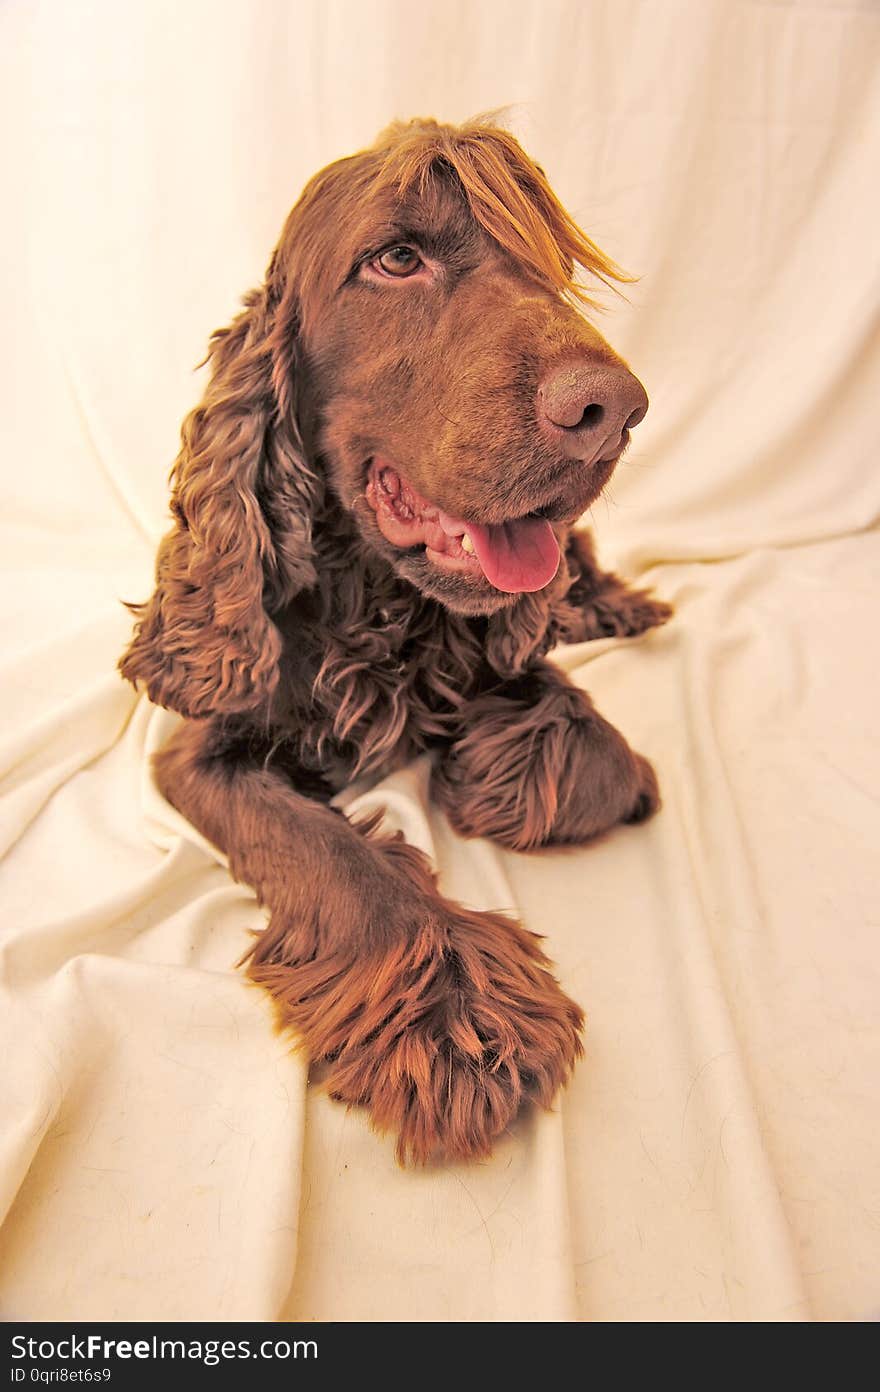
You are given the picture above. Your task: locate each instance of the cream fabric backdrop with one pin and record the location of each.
(716, 1156)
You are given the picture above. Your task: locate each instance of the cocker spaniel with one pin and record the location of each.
(372, 553)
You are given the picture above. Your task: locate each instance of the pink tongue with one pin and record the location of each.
(515, 556)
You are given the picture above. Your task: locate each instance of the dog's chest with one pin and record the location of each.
(367, 692)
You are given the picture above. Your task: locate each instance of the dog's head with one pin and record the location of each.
(459, 401)
(415, 355)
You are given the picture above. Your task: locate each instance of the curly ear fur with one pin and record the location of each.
(243, 499)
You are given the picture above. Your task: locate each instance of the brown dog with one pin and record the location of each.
(371, 556)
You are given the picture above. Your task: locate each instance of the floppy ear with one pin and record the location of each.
(243, 500)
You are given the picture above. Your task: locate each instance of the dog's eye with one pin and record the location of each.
(399, 261)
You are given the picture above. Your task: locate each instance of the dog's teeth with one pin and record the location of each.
(467, 545)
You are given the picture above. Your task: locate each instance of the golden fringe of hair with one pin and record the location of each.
(508, 194)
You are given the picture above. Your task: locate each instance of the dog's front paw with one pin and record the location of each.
(619, 612)
(443, 1036)
(647, 799)
(549, 772)
(480, 1028)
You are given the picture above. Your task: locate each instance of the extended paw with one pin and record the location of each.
(443, 1036)
(543, 771)
(647, 799)
(622, 613)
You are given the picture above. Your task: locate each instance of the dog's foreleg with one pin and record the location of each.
(604, 605)
(441, 1020)
(535, 764)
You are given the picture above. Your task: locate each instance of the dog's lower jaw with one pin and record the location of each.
(458, 592)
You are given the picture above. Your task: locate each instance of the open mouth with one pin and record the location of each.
(516, 557)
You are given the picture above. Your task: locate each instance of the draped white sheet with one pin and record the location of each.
(716, 1156)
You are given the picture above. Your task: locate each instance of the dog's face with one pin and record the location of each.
(464, 411)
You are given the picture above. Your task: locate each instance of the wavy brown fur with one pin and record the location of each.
(304, 649)
(443, 1031)
(507, 193)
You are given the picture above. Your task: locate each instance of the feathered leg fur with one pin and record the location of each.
(536, 764)
(606, 606)
(442, 1021)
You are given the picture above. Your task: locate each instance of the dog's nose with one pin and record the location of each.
(588, 408)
